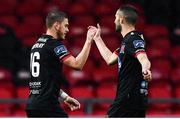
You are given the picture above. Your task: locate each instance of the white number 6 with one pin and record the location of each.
(34, 65)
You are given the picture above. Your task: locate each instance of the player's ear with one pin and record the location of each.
(56, 25)
(121, 20)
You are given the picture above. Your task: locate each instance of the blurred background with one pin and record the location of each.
(23, 21)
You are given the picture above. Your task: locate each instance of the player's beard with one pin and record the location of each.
(118, 28)
(60, 35)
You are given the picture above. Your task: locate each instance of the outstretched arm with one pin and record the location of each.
(79, 61)
(109, 57)
(145, 63)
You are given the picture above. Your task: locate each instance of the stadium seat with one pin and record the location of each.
(161, 68)
(84, 91)
(22, 93)
(5, 74)
(156, 52)
(108, 21)
(175, 55)
(76, 30)
(9, 20)
(158, 113)
(6, 93)
(77, 9)
(29, 41)
(5, 114)
(175, 74)
(19, 113)
(112, 42)
(162, 43)
(89, 4)
(158, 31)
(25, 8)
(160, 89)
(177, 94)
(84, 20)
(100, 112)
(104, 9)
(8, 6)
(104, 75)
(106, 90)
(75, 114)
(141, 24)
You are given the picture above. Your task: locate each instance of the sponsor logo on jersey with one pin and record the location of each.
(139, 44)
(60, 49)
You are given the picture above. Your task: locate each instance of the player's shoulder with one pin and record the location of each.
(134, 35)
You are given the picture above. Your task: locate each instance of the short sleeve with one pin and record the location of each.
(135, 45)
(61, 51)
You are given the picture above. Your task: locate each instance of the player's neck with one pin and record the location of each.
(127, 29)
(51, 33)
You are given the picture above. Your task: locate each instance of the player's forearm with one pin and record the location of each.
(83, 55)
(104, 51)
(145, 63)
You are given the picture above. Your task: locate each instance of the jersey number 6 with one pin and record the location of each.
(34, 64)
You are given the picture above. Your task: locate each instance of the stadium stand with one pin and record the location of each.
(96, 82)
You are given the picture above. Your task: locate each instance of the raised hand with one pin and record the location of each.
(91, 32)
(72, 103)
(98, 33)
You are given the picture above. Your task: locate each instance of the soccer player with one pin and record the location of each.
(133, 66)
(48, 55)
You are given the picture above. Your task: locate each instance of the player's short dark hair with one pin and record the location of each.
(129, 13)
(54, 16)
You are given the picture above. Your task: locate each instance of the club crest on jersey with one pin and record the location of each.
(139, 43)
(60, 49)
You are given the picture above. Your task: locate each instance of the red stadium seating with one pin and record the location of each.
(104, 9)
(162, 43)
(175, 55)
(22, 93)
(77, 9)
(106, 91)
(175, 75)
(7, 6)
(9, 20)
(84, 20)
(5, 114)
(158, 90)
(76, 30)
(158, 113)
(29, 41)
(156, 52)
(161, 68)
(5, 74)
(105, 74)
(6, 93)
(107, 24)
(177, 94)
(19, 113)
(82, 91)
(25, 8)
(75, 114)
(158, 31)
(100, 112)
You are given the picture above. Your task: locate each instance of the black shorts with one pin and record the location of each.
(46, 113)
(126, 113)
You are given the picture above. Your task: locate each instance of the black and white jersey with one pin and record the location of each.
(47, 55)
(132, 88)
